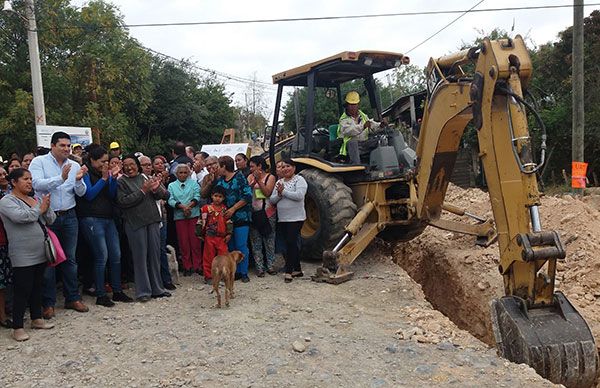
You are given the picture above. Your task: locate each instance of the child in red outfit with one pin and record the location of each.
(216, 230)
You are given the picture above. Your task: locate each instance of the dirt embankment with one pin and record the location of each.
(460, 279)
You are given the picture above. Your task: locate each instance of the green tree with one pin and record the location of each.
(405, 79)
(96, 75)
(185, 107)
(552, 83)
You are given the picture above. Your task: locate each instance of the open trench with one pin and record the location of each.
(460, 283)
(453, 282)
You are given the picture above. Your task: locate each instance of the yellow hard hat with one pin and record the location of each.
(75, 145)
(114, 145)
(352, 97)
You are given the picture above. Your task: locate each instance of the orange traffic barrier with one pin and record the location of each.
(578, 173)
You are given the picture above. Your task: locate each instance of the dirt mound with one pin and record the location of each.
(460, 279)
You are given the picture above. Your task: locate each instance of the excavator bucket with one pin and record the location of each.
(554, 340)
(331, 272)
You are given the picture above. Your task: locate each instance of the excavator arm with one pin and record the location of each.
(532, 323)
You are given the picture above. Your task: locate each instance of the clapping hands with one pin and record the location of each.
(105, 171)
(114, 172)
(151, 185)
(45, 203)
(65, 171)
(82, 171)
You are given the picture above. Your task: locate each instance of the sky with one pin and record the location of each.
(261, 50)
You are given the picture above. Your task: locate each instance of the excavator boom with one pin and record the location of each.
(532, 323)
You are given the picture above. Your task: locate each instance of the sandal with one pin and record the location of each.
(287, 277)
(7, 323)
(297, 274)
(271, 272)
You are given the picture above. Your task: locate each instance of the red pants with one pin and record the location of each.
(189, 243)
(213, 246)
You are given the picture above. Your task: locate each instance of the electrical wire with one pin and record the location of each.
(443, 28)
(343, 17)
(246, 81)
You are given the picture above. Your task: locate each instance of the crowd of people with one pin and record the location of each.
(114, 216)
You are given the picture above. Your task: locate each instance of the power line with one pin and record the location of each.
(343, 17)
(231, 77)
(446, 26)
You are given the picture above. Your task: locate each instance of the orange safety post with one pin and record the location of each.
(578, 174)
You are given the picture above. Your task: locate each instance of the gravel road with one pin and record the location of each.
(374, 331)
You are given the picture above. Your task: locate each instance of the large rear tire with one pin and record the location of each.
(329, 208)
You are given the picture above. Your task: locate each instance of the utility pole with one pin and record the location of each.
(34, 61)
(577, 141)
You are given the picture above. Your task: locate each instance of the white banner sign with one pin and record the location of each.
(225, 149)
(81, 135)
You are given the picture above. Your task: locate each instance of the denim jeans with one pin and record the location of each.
(164, 261)
(239, 242)
(102, 236)
(65, 227)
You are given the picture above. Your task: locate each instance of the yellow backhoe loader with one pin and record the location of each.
(397, 193)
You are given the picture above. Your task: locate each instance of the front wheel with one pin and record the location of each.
(329, 208)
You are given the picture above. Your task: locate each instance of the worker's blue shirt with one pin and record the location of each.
(47, 179)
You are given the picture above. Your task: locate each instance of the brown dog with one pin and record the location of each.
(223, 267)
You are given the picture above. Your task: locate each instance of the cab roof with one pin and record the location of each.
(340, 68)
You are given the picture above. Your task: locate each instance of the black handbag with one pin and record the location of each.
(260, 221)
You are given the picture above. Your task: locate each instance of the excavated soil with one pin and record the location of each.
(460, 279)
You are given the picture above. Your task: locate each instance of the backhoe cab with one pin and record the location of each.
(395, 194)
(316, 141)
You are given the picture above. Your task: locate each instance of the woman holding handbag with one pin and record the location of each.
(262, 228)
(24, 219)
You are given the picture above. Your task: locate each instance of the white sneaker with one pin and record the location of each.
(41, 324)
(20, 335)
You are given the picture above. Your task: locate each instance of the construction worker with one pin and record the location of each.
(354, 127)
(114, 150)
(76, 153)
(77, 149)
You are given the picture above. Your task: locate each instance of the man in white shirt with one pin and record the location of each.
(199, 168)
(57, 175)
